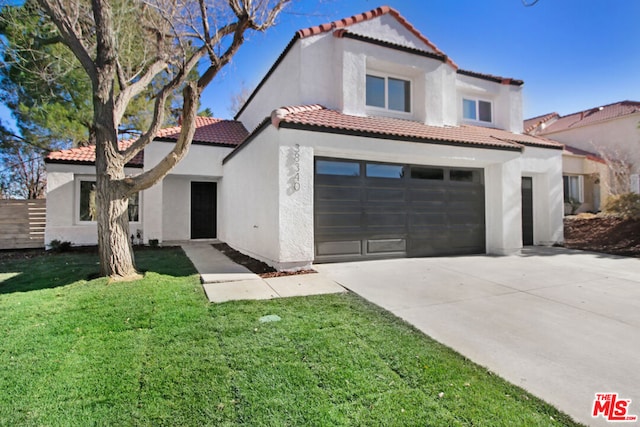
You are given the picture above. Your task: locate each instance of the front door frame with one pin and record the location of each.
(527, 211)
(203, 210)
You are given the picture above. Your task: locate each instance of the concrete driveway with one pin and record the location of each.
(562, 324)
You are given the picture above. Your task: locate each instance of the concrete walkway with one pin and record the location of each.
(224, 280)
(562, 324)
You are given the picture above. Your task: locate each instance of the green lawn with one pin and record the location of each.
(78, 352)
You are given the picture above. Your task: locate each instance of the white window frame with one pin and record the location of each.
(580, 179)
(76, 203)
(476, 101)
(386, 110)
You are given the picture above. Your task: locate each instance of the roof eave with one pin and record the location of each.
(393, 137)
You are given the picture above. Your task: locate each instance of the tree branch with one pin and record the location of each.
(158, 110)
(145, 180)
(129, 91)
(60, 17)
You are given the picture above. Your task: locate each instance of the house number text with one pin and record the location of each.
(295, 178)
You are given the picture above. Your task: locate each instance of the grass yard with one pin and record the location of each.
(78, 352)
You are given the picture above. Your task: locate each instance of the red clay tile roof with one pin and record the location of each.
(383, 10)
(88, 155)
(591, 116)
(532, 124)
(588, 154)
(320, 118)
(209, 131)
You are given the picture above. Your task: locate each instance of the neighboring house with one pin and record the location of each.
(608, 132)
(384, 148)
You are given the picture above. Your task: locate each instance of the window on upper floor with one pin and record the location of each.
(477, 110)
(389, 93)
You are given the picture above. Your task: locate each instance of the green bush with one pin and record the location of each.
(60, 246)
(625, 205)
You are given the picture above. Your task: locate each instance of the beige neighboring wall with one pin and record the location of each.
(596, 180)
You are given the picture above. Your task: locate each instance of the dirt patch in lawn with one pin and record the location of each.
(606, 234)
(258, 267)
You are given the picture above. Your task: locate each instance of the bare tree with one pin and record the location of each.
(619, 169)
(22, 173)
(189, 41)
(239, 98)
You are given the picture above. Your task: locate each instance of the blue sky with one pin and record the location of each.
(571, 54)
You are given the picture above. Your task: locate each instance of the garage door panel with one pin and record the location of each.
(346, 247)
(427, 195)
(333, 193)
(386, 195)
(467, 219)
(431, 219)
(336, 220)
(386, 246)
(465, 195)
(371, 217)
(386, 219)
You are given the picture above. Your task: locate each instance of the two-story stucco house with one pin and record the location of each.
(602, 154)
(367, 142)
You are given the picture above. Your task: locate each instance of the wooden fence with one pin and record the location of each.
(22, 223)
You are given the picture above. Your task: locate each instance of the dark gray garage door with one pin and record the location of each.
(382, 210)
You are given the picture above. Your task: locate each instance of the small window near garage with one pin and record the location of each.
(427, 173)
(573, 188)
(88, 211)
(388, 93)
(477, 110)
(461, 175)
(375, 170)
(330, 167)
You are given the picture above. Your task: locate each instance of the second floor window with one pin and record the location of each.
(477, 110)
(389, 93)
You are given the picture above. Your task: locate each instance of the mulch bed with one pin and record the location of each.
(606, 234)
(18, 254)
(258, 267)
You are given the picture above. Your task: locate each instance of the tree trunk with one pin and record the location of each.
(112, 194)
(112, 199)
(114, 245)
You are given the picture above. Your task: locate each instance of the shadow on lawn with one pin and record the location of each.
(35, 270)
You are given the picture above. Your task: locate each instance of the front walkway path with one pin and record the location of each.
(224, 280)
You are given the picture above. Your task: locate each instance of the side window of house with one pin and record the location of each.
(88, 209)
(573, 188)
(477, 110)
(389, 93)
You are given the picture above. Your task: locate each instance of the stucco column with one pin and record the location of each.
(152, 212)
(295, 189)
(503, 207)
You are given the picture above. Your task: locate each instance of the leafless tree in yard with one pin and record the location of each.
(619, 169)
(185, 43)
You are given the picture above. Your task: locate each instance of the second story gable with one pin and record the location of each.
(377, 64)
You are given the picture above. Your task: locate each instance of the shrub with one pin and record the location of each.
(60, 246)
(626, 205)
(154, 243)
